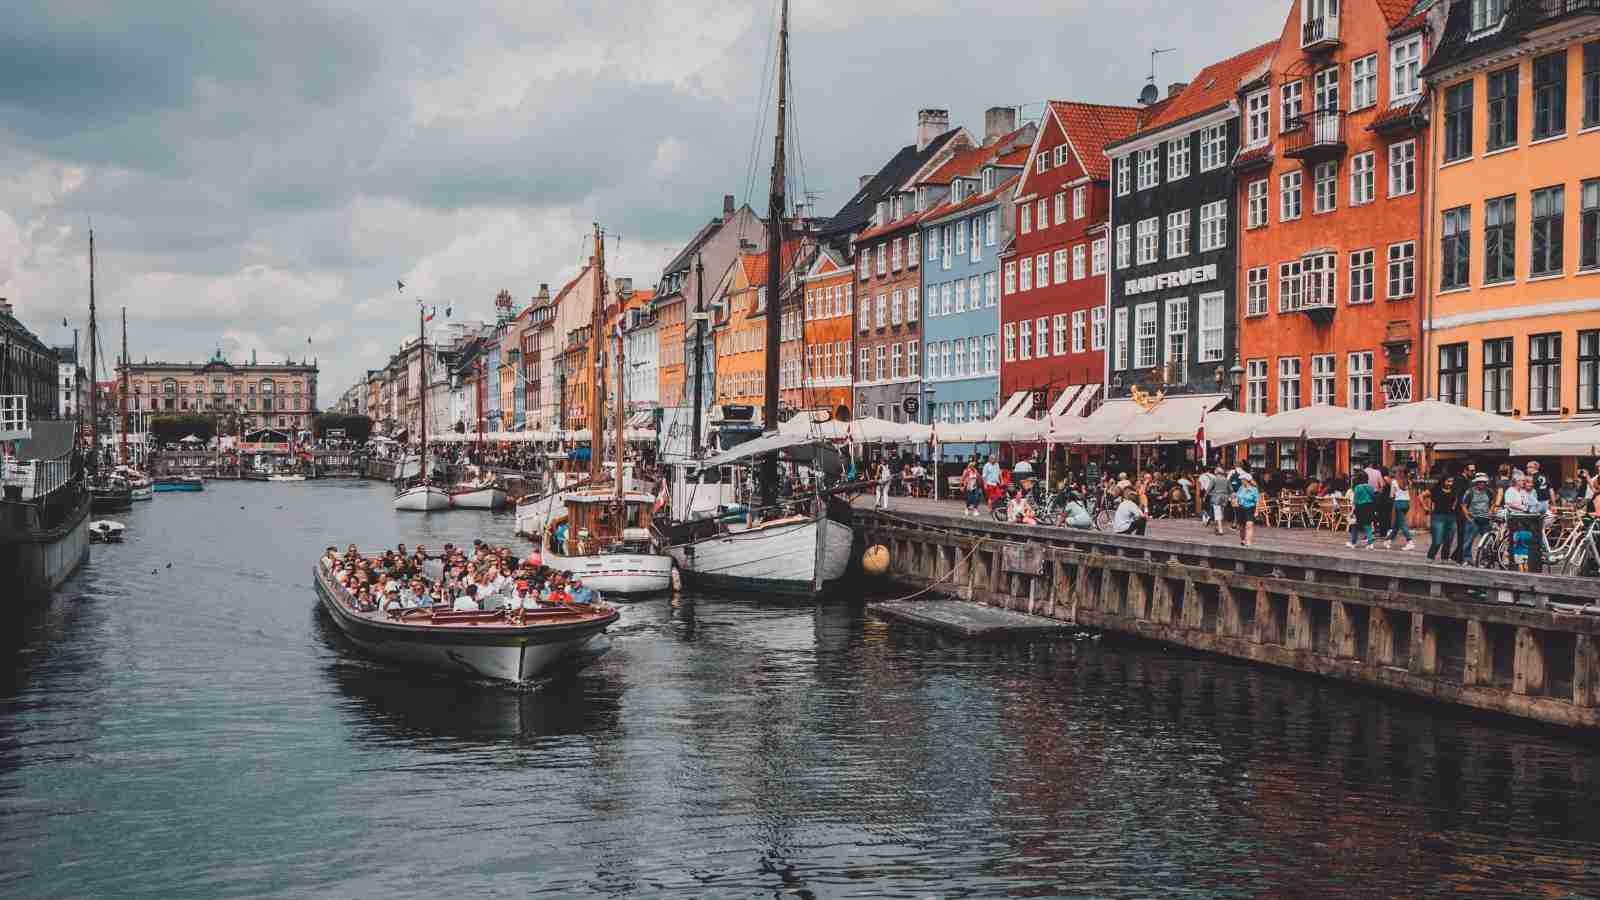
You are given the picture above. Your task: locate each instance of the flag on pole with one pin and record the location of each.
(1200, 448)
(661, 496)
(429, 316)
(400, 285)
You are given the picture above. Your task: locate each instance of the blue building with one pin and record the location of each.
(964, 234)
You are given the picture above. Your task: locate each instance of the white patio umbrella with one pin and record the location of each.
(1572, 442)
(1318, 422)
(1434, 422)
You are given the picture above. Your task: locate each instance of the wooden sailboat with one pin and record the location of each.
(108, 491)
(483, 491)
(421, 494)
(780, 548)
(139, 484)
(602, 535)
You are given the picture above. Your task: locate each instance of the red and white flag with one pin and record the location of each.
(1200, 448)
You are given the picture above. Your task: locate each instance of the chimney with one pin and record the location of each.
(727, 207)
(998, 121)
(1176, 88)
(930, 124)
(544, 292)
(862, 181)
(624, 287)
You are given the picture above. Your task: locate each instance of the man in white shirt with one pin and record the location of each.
(1129, 517)
(467, 602)
(885, 478)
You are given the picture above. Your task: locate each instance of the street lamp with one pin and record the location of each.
(1235, 379)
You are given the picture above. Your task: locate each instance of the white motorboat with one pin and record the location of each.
(501, 644)
(422, 498)
(105, 531)
(585, 542)
(277, 477)
(478, 492)
(143, 491)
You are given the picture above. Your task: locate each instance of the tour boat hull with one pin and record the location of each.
(629, 574)
(498, 652)
(478, 498)
(111, 499)
(778, 558)
(422, 498)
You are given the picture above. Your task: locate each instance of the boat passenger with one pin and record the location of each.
(391, 601)
(467, 602)
(330, 557)
(580, 593)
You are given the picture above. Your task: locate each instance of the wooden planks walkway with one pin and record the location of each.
(970, 620)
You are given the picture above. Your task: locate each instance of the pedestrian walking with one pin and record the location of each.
(1441, 501)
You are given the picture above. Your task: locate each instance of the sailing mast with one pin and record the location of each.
(776, 206)
(596, 333)
(123, 391)
(94, 372)
(618, 410)
(422, 348)
(699, 350)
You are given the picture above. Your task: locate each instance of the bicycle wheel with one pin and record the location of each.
(1488, 555)
(1102, 519)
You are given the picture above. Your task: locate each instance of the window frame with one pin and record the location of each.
(1547, 232)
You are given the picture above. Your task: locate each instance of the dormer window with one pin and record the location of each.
(899, 206)
(883, 211)
(1487, 14)
(988, 179)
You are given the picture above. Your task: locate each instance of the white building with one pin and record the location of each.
(642, 347)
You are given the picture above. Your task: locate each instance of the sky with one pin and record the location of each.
(259, 175)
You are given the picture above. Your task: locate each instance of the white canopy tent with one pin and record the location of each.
(1572, 442)
(1318, 422)
(806, 423)
(1431, 422)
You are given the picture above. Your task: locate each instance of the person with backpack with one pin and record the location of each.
(972, 488)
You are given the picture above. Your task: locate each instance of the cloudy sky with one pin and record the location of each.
(261, 173)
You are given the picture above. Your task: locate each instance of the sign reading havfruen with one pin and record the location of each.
(1179, 278)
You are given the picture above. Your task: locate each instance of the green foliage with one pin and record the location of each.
(355, 428)
(173, 429)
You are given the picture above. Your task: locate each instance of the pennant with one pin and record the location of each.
(1200, 448)
(400, 286)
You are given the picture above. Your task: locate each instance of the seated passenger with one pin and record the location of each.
(467, 602)
(581, 594)
(391, 601)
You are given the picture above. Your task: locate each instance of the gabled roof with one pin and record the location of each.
(1215, 87)
(1401, 14)
(1091, 126)
(755, 264)
(858, 209)
(826, 262)
(947, 208)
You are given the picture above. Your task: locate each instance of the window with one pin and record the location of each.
(1402, 269)
(1041, 269)
(913, 303)
(1122, 166)
(1097, 328)
(1545, 242)
(1256, 292)
(1289, 114)
(811, 308)
(1061, 208)
(1362, 264)
(1178, 158)
(1213, 225)
(1213, 147)
(1289, 196)
(1025, 274)
(1550, 95)
(988, 354)
(1487, 14)
(1178, 234)
(894, 254)
(1497, 359)
(1544, 373)
(960, 286)
(1258, 111)
(1324, 374)
(1144, 348)
(1405, 68)
(1588, 371)
(1211, 311)
(1080, 202)
(1363, 180)
(1288, 383)
(1177, 339)
(990, 295)
(1325, 187)
(883, 258)
(1079, 261)
(947, 246)
(1120, 350)
(912, 348)
(865, 366)
(1025, 218)
(1125, 244)
(1025, 339)
(1455, 252)
(1458, 121)
(1589, 230)
(1061, 266)
(912, 253)
(974, 349)
(946, 298)
(880, 360)
(1502, 115)
(1325, 90)
(881, 310)
(1060, 155)
(1149, 168)
(1319, 280)
(1364, 82)
(1011, 341)
(934, 249)
(1402, 168)
(1257, 203)
(895, 304)
(1255, 372)
(1011, 278)
(1097, 256)
(866, 317)
(1041, 162)
(894, 360)
(1591, 84)
(935, 357)
(1041, 337)
(1499, 239)
(1358, 373)
(1043, 214)
(1080, 323)
(1058, 333)
(1289, 285)
(1149, 240)
(991, 228)
(1453, 374)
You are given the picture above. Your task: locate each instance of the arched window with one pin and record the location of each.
(169, 387)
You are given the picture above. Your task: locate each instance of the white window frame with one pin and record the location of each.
(1124, 169)
(1097, 328)
(1363, 274)
(1079, 261)
(1025, 274)
(1011, 278)
(1291, 104)
(1146, 325)
(1059, 261)
(1258, 289)
(913, 304)
(1149, 168)
(1359, 379)
(1324, 379)
(1403, 168)
(1010, 342)
(1058, 334)
(1363, 178)
(1041, 340)
(1214, 147)
(1289, 371)
(1400, 270)
(1119, 356)
(1405, 68)
(1213, 225)
(1258, 118)
(1124, 246)
(1149, 249)
(1178, 233)
(1061, 208)
(1258, 199)
(1212, 317)
(1256, 380)
(1080, 201)
(1325, 188)
(1025, 339)
(1291, 195)
(1041, 270)
(1080, 324)
(1178, 158)
(1364, 82)
(1097, 257)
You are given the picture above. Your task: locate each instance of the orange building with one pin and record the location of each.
(820, 328)
(1514, 214)
(1330, 195)
(739, 332)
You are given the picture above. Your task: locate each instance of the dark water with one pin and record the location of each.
(199, 731)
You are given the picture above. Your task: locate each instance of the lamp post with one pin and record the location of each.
(1235, 381)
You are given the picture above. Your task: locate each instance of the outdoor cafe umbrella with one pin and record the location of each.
(1317, 422)
(1431, 422)
(1572, 442)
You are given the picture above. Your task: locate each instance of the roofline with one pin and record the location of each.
(1222, 112)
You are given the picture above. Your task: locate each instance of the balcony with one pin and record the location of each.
(1319, 34)
(1534, 13)
(1315, 136)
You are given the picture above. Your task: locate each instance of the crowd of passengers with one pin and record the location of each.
(484, 579)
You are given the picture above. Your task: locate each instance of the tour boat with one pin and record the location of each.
(168, 483)
(286, 477)
(422, 498)
(105, 531)
(109, 493)
(139, 484)
(612, 560)
(534, 512)
(502, 644)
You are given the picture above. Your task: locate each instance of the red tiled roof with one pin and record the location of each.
(888, 227)
(1398, 116)
(1215, 85)
(1091, 126)
(962, 162)
(755, 264)
(1017, 157)
(946, 208)
(1396, 12)
(1252, 156)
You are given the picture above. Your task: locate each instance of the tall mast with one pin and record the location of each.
(699, 350)
(618, 410)
(122, 392)
(776, 205)
(422, 348)
(596, 332)
(94, 371)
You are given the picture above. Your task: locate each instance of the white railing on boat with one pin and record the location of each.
(14, 418)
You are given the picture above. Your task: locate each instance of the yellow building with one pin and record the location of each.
(1513, 322)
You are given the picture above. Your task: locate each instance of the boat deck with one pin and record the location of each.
(492, 621)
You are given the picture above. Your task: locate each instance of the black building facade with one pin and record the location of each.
(27, 366)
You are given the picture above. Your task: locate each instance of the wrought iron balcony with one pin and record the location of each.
(1315, 136)
(1533, 13)
(1321, 33)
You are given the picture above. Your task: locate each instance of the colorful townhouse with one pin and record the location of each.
(966, 225)
(1513, 322)
(1331, 195)
(1053, 309)
(738, 332)
(820, 325)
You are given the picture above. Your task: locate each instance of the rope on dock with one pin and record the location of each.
(953, 569)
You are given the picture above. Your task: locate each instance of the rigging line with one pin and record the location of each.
(794, 131)
(763, 104)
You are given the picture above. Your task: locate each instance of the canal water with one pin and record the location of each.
(181, 721)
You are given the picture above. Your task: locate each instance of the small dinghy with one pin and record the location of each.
(105, 531)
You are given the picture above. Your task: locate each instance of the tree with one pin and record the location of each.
(355, 427)
(172, 429)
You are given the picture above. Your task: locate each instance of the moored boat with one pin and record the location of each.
(423, 497)
(478, 493)
(109, 493)
(585, 542)
(105, 531)
(501, 644)
(171, 483)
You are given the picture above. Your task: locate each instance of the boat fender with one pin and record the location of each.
(677, 579)
(876, 560)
